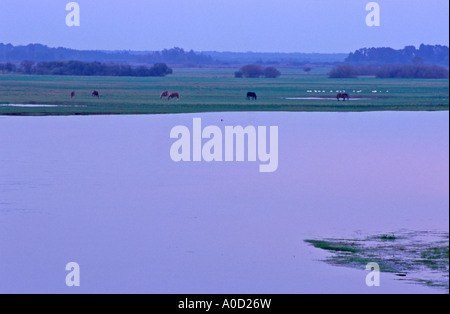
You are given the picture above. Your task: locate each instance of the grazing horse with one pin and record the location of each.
(343, 96)
(95, 94)
(164, 94)
(72, 94)
(252, 95)
(173, 95)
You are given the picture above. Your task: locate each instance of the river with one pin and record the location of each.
(103, 191)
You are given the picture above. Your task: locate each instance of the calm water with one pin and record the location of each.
(103, 191)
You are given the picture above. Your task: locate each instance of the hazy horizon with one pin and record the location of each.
(263, 26)
(198, 51)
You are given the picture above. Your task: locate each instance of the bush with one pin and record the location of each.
(252, 71)
(27, 66)
(160, 69)
(413, 71)
(368, 70)
(343, 71)
(419, 71)
(90, 69)
(271, 72)
(8, 67)
(256, 71)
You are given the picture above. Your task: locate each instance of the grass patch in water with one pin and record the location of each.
(416, 257)
(386, 237)
(435, 253)
(334, 246)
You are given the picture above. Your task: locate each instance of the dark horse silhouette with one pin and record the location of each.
(343, 96)
(72, 94)
(95, 94)
(252, 95)
(164, 94)
(173, 95)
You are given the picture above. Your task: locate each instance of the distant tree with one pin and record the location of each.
(125, 70)
(160, 69)
(174, 55)
(297, 63)
(343, 71)
(10, 67)
(27, 66)
(418, 61)
(271, 72)
(238, 74)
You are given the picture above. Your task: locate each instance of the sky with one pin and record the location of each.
(324, 26)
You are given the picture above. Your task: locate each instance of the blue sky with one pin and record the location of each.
(225, 25)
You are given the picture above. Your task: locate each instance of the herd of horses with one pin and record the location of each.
(163, 95)
(169, 96)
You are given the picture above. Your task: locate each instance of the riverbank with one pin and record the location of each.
(216, 90)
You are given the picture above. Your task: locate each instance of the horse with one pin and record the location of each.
(173, 95)
(252, 95)
(343, 96)
(95, 94)
(72, 94)
(164, 94)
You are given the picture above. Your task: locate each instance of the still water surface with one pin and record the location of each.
(103, 191)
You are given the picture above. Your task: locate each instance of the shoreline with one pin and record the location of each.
(284, 110)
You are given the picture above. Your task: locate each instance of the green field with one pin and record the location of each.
(205, 90)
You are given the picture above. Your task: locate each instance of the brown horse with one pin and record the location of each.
(72, 94)
(95, 94)
(343, 96)
(174, 95)
(164, 94)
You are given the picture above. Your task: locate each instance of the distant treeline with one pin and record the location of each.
(430, 54)
(274, 58)
(41, 53)
(419, 71)
(176, 56)
(85, 69)
(425, 54)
